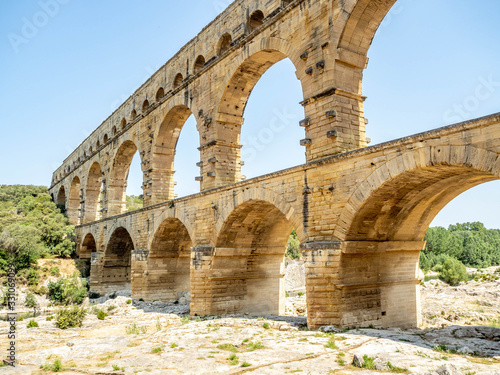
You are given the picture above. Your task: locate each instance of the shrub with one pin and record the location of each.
(55, 367)
(246, 364)
(30, 301)
(101, 315)
(265, 325)
(453, 272)
(68, 291)
(54, 271)
(32, 277)
(93, 294)
(233, 359)
(70, 318)
(49, 318)
(156, 350)
(129, 301)
(32, 324)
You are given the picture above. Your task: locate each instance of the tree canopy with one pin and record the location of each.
(31, 226)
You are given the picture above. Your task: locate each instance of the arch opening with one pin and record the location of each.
(123, 123)
(270, 124)
(74, 202)
(133, 115)
(249, 257)
(88, 247)
(255, 20)
(199, 64)
(145, 105)
(224, 44)
(385, 237)
(164, 154)
(178, 80)
(160, 94)
(118, 185)
(94, 194)
(61, 199)
(169, 262)
(116, 270)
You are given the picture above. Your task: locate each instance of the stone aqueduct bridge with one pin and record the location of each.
(360, 213)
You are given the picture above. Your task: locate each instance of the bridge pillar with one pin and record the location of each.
(139, 273)
(363, 283)
(96, 265)
(237, 281)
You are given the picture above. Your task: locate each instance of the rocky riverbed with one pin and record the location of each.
(159, 338)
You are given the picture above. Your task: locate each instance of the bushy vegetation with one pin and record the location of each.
(70, 317)
(32, 324)
(68, 291)
(293, 246)
(30, 301)
(453, 271)
(31, 227)
(134, 202)
(470, 243)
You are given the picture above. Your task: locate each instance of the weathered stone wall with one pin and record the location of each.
(361, 218)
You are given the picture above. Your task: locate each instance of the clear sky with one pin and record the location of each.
(67, 64)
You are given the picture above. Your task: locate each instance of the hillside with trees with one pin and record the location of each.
(31, 227)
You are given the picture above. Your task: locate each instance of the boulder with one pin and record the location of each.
(380, 365)
(358, 361)
(449, 369)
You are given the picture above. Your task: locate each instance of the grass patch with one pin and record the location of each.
(397, 370)
(331, 343)
(173, 345)
(133, 329)
(246, 364)
(228, 347)
(484, 361)
(233, 359)
(254, 346)
(53, 367)
(441, 348)
(157, 350)
(266, 325)
(32, 324)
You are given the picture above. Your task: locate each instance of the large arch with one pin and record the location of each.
(169, 260)
(164, 150)
(117, 188)
(93, 194)
(117, 262)
(61, 199)
(247, 264)
(231, 100)
(384, 233)
(87, 247)
(74, 200)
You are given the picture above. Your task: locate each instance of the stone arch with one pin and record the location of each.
(106, 138)
(176, 214)
(123, 123)
(74, 200)
(88, 246)
(224, 43)
(259, 194)
(169, 262)
(133, 115)
(199, 64)
(414, 187)
(160, 94)
(364, 19)
(178, 80)
(255, 20)
(93, 194)
(117, 262)
(117, 187)
(248, 258)
(61, 199)
(145, 105)
(164, 149)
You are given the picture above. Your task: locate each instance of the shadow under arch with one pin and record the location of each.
(93, 194)
(117, 187)
(61, 199)
(74, 199)
(164, 150)
(115, 274)
(383, 227)
(87, 247)
(168, 268)
(247, 265)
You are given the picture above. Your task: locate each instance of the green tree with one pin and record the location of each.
(453, 272)
(293, 246)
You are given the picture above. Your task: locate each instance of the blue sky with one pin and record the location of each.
(67, 64)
